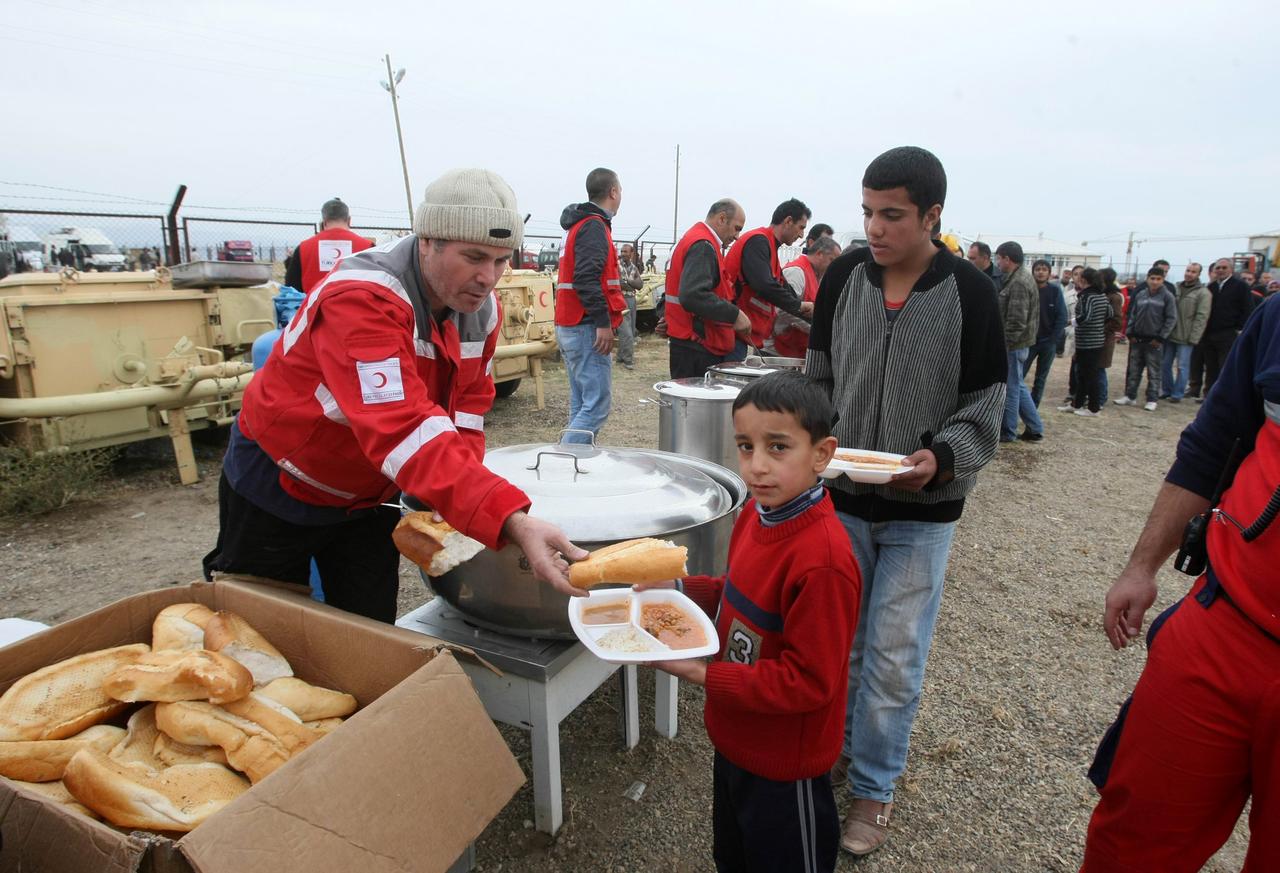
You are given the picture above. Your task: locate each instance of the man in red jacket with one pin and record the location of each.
(315, 256)
(378, 385)
(754, 274)
(785, 613)
(791, 333)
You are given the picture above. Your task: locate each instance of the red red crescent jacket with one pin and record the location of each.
(1248, 570)
(717, 337)
(569, 309)
(319, 253)
(761, 312)
(792, 342)
(365, 394)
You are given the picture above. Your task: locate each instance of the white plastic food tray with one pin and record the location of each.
(589, 634)
(860, 473)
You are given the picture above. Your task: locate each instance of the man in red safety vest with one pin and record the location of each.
(316, 256)
(589, 303)
(755, 275)
(702, 318)
(1200, 736)
(379, 385)
(791, 333)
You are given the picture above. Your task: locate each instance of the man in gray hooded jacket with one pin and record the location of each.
(1193, 301)
(1020, 310)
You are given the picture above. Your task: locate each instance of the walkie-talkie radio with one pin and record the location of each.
(1193, 553)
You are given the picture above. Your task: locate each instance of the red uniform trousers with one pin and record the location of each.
(1202, 735)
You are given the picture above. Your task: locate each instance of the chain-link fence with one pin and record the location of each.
(46, 240)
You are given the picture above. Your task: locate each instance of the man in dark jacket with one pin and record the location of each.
(1232, 303)
(589, 302)
(980, 257)
(1152, 316)
(1020, 309)
(1052, 324)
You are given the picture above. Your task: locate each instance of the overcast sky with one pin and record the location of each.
(1081, 121)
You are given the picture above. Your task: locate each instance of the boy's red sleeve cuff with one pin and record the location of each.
(705, 591)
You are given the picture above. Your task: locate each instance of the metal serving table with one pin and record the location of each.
(542, 682)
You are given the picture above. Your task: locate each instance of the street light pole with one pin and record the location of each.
(390, 87)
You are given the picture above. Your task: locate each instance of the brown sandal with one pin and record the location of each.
(866, 827)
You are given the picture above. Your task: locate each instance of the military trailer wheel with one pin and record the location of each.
(507, 388)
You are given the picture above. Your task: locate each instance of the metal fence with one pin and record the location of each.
(49, 240)
(204, 238)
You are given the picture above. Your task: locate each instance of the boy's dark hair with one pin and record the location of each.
(793, 209)
(1041, 262)
(1156, 271)
(793, 394)
(983, 249)
(915, 169)
(1012, 251)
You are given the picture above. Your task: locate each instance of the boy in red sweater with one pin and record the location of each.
(786, 609)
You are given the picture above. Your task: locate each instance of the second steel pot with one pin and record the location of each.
(695, 417)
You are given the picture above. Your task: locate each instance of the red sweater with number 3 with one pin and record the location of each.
(787, 610)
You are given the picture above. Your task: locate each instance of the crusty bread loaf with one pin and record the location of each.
(234, 637)
(131, 795)
(435, 546)
(177, 675)
(631, 561)
(325, 725)
(255, 735)
(58, 793)
(180, 627)
(139, 742)
(60, 700)
(44, 760)
(862, 460)
(309, 702)
(169, 752)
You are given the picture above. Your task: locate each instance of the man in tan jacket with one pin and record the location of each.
(1193, 300)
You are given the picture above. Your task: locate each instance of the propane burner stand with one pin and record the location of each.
(544, 681)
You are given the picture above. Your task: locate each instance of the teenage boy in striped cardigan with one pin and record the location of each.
(908, 340)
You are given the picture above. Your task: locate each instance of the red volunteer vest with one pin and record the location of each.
(717, 337)
(1248, 570)
(761, 312)
(569, 308)
(793, 343)
(320, 252)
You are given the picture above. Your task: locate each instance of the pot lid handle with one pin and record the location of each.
(576, 469)
(589, 433)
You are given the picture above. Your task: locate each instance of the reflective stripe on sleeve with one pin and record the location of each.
(424, 349)
(292, 469)
(329, 404)
(468, 420)
(424, 433)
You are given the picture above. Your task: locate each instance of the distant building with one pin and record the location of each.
(1063, 256)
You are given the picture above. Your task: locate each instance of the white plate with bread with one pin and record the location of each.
(633, 627)
(864, 465)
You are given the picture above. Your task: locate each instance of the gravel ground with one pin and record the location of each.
(1019, 687)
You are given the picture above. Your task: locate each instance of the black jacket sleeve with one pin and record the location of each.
(698, 280)
(293, 271)
(757, 272)
(589, 253)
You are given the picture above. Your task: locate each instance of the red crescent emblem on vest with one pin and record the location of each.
(382, 377)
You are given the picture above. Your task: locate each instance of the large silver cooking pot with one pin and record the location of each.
(746, 371)
(695, 417)
(597, 496)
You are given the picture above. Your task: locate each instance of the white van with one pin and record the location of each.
(27, 247)
(89, 246)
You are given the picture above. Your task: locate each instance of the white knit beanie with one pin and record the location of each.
(470, 205)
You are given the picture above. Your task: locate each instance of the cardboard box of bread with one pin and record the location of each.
(224, 726)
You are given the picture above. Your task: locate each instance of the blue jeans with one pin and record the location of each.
(1176, 384)
(590, 380)
(902, 565)
(1017, 401)
(1042, 355)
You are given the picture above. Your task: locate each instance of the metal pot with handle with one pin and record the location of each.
(744, 372)
(597, 495)
(695, 417)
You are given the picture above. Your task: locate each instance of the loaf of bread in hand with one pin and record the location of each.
(61, 700)
(44, 760)
(135, 796)
(180, 675)
(435, 546)
(631, 562)
(234, 637)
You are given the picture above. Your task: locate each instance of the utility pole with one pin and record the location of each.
(390, 87)
(675, 213)
(1128, 252)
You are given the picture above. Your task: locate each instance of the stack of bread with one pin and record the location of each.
(221, 711)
